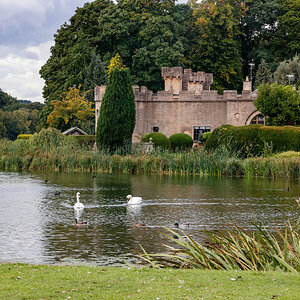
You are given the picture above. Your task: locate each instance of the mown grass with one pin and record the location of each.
(51, 151)
(19, 281)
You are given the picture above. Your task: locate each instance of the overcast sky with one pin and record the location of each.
(26, 35)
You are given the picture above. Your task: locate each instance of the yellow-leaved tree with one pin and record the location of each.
(73, 109)
(115, 62)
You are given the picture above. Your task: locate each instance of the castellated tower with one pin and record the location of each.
(187, 105)
(177, 80)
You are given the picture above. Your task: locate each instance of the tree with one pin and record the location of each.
(217, 47)
(159, 47)
(289, 67)
(5, 99)
(263, 74)
(288, 37)
(279, 103)
(260, 28)
(71, 110)
(15, 122)
(117, 113)
(95, 76)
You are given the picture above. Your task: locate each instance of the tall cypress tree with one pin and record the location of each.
(117, 113)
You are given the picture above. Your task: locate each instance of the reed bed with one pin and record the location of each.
(262, 250)
(51, 151)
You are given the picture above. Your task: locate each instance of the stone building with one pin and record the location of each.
(188, 105)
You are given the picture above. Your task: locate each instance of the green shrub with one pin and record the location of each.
(50, 139)
(255, 140)
(24, 136)
(86, 141)
(158, 138)
(181, 141)
(203, 137)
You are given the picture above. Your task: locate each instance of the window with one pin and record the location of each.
(199, 130)
(259, 119)
(155, 129)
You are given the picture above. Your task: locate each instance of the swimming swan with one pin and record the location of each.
(78, 205)
(133, 200)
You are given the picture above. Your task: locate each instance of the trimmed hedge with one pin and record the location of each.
(181, 141)
(24, 136)
(158, 138)
(255, 140)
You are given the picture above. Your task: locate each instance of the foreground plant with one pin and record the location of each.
(237, 250)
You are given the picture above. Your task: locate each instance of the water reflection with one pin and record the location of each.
(37, 212)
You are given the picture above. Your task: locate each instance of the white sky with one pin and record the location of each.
(26, 35)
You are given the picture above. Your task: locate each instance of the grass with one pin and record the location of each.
(49, 150)
(19, 281)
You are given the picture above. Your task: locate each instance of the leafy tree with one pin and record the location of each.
(288, 36)
(263, 74)
(117, 113)
(217, 47)
(72, 52)
(15, 122)
(279, 103)
(71, 110)
(291, 66)
(158, 47)
(115, 62)
(259, 28)
(5, 99)
(95, 76)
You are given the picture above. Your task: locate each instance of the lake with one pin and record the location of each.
(37, 215)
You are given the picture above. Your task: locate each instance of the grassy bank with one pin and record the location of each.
(59, 153)
(58, 282)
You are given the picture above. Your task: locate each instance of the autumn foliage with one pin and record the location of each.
(70, 109)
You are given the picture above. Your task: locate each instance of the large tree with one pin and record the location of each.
(117, 113)
(279, 104)
(95, 76)
(288, 35)
(259, 28)
(217, 48)
(287, 68)
(73, 109)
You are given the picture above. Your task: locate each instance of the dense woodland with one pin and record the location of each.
(218, 36)
(18, 116)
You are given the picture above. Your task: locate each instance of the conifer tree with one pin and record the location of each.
(263, 74)
(95, 76)
(117, 113)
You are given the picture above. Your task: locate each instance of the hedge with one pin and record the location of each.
(24, 136)
(255, 140)
(158, 138)
(181, 141)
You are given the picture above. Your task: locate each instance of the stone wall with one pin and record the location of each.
(187, 102)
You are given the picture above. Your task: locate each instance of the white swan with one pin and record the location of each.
(78, 205)
(133, 200)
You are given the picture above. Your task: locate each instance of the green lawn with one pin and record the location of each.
(20, 281)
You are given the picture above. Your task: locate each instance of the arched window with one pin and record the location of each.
(259, 119)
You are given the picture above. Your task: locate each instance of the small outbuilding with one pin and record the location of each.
(74, 131)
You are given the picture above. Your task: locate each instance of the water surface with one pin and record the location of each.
(37, 224)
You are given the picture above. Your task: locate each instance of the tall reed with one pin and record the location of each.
(50, 150)
(237, 250)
